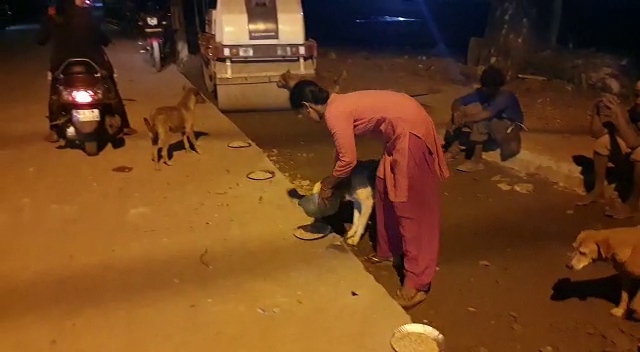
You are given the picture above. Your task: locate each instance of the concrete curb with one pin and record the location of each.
(565, 174)
(533, 159)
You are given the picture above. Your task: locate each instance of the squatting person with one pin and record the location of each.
(609, 119)
(490, 112)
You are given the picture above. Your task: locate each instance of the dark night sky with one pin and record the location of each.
(586, 23)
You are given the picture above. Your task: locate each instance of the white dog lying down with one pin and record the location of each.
(359, 188)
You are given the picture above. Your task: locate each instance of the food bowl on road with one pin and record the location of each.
(417, 338)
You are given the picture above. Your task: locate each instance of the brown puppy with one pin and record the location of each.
(178, 118)
(288, 80)
(621, 248)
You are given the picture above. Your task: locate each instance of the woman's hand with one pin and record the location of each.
(326, 186)
(325, 193)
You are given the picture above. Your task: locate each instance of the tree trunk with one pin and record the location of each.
(179, 26)
(516, 29)
(556, 18)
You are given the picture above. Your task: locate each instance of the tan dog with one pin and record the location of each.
(288, 80)
(621, 248)
(359, 188)
(178, 118)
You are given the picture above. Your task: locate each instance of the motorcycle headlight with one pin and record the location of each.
(152, 21)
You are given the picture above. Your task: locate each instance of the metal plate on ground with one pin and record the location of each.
(261, 175)
(313, 231)
(239, 144)
(417, 338)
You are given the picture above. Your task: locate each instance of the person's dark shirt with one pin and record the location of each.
(505, 105)
(634, 115)
(74, 35)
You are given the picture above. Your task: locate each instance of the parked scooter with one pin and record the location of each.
(157, 31)
(84, 107)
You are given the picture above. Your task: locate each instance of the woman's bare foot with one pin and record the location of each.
(621, 211)
(374, 259)
(591, 197)
(408, 297)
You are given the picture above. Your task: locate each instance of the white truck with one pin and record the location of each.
(247, 45)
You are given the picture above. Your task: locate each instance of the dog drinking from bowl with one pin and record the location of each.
(359, 188)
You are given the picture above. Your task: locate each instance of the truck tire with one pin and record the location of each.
(209, 79)
(157, 59)
(91, 148)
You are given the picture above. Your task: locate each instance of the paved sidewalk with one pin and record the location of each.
(94, 260)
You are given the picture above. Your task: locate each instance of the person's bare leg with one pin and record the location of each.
(600, 168)
(630, 208)
(475, 164)
(454, 151)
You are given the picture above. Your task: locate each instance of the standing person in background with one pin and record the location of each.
(408, 179)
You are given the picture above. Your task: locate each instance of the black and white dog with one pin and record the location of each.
(359, 188)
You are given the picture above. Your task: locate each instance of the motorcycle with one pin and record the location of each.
(155, 31)
(84, 107)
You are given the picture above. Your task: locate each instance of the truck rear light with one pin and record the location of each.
(310, 48)
(236, 51)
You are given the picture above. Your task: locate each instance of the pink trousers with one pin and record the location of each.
(412, 228)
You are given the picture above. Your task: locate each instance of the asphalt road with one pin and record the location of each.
(502, 284)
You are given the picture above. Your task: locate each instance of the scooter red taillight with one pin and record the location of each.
(82, 96)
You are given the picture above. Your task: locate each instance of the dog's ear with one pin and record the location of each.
(580, 238)
(185, 88)
(605, 248)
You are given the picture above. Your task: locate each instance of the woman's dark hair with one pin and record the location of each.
(492, 77)
(307, 91)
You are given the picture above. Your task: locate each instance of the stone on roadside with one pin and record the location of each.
(523, 188)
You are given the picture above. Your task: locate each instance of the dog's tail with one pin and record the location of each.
(153, 133)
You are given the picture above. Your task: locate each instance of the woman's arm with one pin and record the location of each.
(341, 128)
